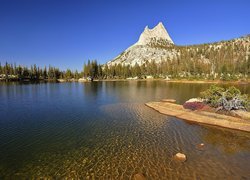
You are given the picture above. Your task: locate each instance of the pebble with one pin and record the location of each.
(180, 157)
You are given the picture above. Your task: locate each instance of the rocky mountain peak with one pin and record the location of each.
(157, 33)
(153, 45)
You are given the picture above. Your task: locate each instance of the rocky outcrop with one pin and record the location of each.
(158, 33)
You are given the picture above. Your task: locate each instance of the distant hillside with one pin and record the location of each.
(156, 54)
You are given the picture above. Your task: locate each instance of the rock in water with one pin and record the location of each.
(180, 157)
(139, 176)
(200, 147)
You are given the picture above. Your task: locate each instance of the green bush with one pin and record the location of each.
(212, 95)
(227, 99)
(232, 92)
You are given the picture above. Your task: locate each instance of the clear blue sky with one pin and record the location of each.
(65, 33)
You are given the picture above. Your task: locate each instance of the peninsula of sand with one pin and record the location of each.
(202, 117)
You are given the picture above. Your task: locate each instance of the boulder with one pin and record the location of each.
(167, 78)
(149, 77)
(194, 105)
(61, 80)
(82, 80)
(194, 100)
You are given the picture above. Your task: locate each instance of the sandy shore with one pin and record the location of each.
(202, 117)
(210, 81)
(184, 81)
(159, 79)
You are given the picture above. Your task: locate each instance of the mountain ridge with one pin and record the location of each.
(156, 45)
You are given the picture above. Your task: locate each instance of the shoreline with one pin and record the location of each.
(236, 82)
(200, 117)
(135, 80)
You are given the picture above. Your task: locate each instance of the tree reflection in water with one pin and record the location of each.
(228, 141)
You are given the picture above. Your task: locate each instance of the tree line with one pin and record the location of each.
(10, 71)
(222, 60)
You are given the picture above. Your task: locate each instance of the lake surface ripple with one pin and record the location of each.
(103, 130)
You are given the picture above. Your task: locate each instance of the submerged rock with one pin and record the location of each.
(200, 147)
(180, 157)
(139, 176)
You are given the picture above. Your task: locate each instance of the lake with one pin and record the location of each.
(103, 130)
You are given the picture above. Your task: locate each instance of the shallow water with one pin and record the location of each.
(103, 130)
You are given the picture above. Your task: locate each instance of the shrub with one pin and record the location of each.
(226, 99)
(212, 95)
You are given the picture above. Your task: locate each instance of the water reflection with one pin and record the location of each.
(229, 142)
